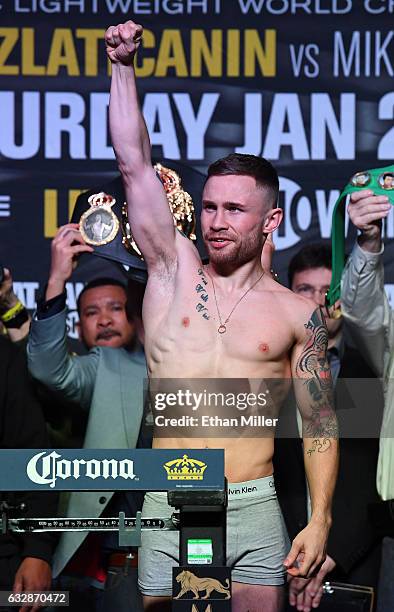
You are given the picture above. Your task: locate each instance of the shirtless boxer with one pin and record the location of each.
(249, 327)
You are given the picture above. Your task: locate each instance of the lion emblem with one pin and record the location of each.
(190, 582)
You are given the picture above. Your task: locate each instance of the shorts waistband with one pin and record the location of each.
(251, 488)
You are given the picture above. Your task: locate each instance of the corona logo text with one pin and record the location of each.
(46, 468)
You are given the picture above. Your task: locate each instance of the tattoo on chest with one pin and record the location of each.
(201, 291)
(316, 392)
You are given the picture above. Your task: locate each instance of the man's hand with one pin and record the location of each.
(366, 212)
(122, 42)
(8, 298)
(308, 550)
(306, 594)
(32, 575)
(66, 246)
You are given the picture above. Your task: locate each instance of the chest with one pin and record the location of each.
(244, 327)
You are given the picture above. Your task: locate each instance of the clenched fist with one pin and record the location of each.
(122, 42)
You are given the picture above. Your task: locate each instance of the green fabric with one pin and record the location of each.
(338, 224)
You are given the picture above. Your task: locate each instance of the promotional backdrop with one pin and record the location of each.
(307, 84)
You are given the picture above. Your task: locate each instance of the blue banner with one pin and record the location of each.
(308, 85)
(111, 470)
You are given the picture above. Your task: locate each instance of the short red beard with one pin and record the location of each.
(238, 253)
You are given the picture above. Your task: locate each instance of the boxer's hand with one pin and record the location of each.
(308, 550)
(8, 298)
(66, 246)
(366, 212)
(122, 42)
(306, 593)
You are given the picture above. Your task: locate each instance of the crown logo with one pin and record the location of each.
(185, 469)
(101, 199)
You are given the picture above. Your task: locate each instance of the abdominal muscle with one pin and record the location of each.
(195, 354)
(246, 457)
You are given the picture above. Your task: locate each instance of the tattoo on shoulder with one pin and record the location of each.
(314, 374)
(202, 293)
(314, 354)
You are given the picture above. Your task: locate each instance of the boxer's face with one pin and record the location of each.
(103, 319)
(234, 209)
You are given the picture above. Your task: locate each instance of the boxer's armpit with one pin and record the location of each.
(313, 386)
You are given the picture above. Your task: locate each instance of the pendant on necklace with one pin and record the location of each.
(222, 329)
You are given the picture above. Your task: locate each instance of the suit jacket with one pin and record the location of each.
(22, 425)
(109, 384)
(351, 535)
(369, 317)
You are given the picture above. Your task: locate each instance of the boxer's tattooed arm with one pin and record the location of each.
(316, 394)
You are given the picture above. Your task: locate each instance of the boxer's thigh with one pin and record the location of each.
(257, 541)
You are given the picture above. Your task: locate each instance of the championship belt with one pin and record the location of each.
(381, 182)
(102, 215)
(99, 225)
(180, 203)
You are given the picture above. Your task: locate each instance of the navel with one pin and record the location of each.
(185, 321)
(263, 347)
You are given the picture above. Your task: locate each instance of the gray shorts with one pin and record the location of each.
(257, 541)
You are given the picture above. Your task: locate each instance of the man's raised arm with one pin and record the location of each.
(314, 395)
(149, 214)
(364, 303)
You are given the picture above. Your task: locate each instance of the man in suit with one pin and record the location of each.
(369, 316)
(353, 552)
(25, 560)
(108, 383)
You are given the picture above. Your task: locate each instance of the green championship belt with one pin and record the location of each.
(381, 182)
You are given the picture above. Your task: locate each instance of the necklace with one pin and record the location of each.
(222, 327)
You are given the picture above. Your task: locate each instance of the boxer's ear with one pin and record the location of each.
(273, 219)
